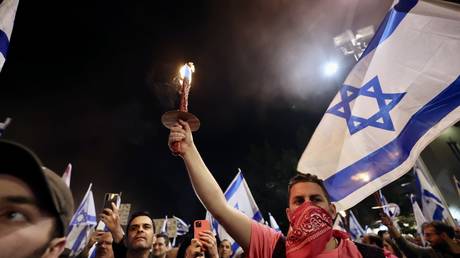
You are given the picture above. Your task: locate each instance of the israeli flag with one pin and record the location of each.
(82, 224)
(403, 92)
(5, 124)
(339, 223)
(164, 227)
(238, 196)
(7, 13)
(182, 227)
(67, 174)
(273, 223)
(356, 231)
(432, 205)
(419, 218)
(392, 213)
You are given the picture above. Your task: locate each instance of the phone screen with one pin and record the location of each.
(110, 198)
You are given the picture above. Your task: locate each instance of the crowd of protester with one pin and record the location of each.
(36, 207)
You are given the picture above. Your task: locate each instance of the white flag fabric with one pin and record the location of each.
(273, 223)
(419, 218)
(432, 205)
(403, 92)
(82, 224)
(238, 196)
(164, 227)
(5, 124)
(67, 174)
(457, 185)
(182, 227)
(390, 209)
(356, 231)
(339, 223)
(7, 14)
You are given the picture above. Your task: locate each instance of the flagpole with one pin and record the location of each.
(456, 184)
(426, 172)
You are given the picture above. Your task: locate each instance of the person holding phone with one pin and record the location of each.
(203, 245)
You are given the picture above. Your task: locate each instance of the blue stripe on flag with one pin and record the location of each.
(431, 195)
(397, 151)
(79, 239)
(437, 215)
(257, 216)
(390, 23)
(3, 43)
(234, 186)
(235, 247)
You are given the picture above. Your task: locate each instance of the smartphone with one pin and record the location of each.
(110, 198)
(200, 226)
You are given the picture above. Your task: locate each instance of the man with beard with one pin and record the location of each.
(35, 206)
(439, 235)
(310, 213)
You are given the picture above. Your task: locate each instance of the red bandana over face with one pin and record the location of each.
(311, 229)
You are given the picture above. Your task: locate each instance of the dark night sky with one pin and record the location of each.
(87, 82)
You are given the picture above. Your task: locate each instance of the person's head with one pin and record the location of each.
(373, 239)
(383, 234)
(191, 248)
(104, 245)
(161, 245)
(437, 233)
(308, 187)
(225, 249)
(35, 205)
(141, 232)
(391, 247)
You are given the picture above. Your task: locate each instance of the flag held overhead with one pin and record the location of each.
(7, 14)
(403, 92)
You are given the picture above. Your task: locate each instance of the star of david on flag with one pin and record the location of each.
(381, 119)
(401, 94)
(82, 224)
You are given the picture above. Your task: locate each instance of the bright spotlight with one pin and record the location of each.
(330, 68)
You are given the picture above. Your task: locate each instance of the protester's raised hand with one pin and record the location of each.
(209, 243)
(180, 132)
(389, 223)
(195, 249)
(111, 218)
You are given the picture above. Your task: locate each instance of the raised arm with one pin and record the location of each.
(206, 188)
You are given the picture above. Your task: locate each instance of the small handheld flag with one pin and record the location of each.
(239, 196)
(7, 14)
(82, 224)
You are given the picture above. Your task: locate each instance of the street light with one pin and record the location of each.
(330, 68)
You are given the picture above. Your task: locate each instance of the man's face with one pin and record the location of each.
(430, 235)
(225, 249)
(104, 246)
(307, 191)
(194, 250)
(159, 247)
(140, 233)
(25, 229)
